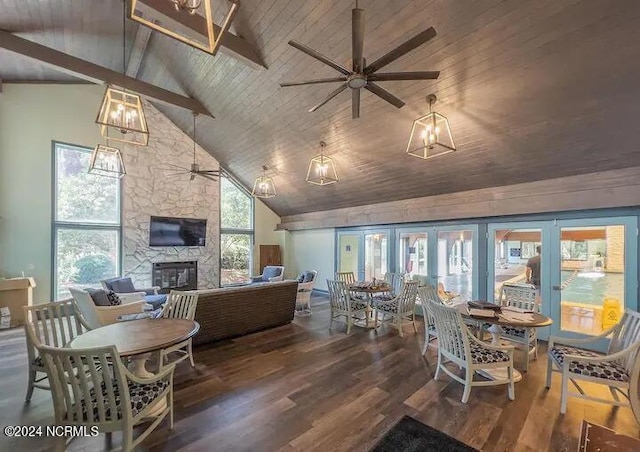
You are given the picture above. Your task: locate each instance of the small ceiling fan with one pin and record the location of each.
(363, 76)
(194, 170)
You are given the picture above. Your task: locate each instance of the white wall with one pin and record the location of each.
(265, 222)
(314, 250)
(31, 116)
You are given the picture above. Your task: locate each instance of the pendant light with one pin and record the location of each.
(322, 171)
(106, 161)
(430, 134)
(189, 21)
(122, 111)
(264, 187)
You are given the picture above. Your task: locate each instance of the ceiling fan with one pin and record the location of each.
(194, 170)
(363, 75)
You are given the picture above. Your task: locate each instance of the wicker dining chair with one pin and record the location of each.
(457, 345)
(619, 368)
(401, 309)
(52, 324)
(88, 390)
(179, 305)
(343, 304)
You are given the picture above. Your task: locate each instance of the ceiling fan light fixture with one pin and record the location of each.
(430, 134)
(322, 170)
(107, 161)
(264, 187)
(189, 21)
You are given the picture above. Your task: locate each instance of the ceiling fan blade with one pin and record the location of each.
(319, 57)
(402, 49)
(357, 38)
(209, 172)
(355, 103)
(417, 75)
(312, 82)
(333, 94)
(386, 95)
(211, 178)
(182, 173)
(176, 166)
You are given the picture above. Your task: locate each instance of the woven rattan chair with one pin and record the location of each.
(343, 305)
(180, 305)
(52, 324)
(401, 309)
(619, 368)
(521, 297)
(457, 345)
(89, 391)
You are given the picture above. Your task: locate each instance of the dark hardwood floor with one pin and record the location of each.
(301, 387)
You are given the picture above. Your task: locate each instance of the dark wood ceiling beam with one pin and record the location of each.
(95, 73)
(232, 45)
(137, 52)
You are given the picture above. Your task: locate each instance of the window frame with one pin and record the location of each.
(236, 231)
(57, 225)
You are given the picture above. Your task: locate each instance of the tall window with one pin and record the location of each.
(86, 222)
(236, 233)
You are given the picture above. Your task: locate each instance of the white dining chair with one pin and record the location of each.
(179, 305)
(344, 305)
(457, 345)
(427, 293)
(401, 309)
(521, 297)
(52, 324)
(619, 368)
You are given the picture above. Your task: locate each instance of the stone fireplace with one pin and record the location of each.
(175, 275)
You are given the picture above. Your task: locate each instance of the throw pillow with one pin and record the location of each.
(308, 276)
(123, 285)
(114, 299)
(99, 297)
(301, 277)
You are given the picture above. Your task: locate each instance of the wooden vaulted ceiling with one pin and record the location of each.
(533, 90)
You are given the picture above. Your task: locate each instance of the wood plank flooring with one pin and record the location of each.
(302, 387)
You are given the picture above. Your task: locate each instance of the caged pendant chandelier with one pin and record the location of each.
(264, 187)
(106, 161)
(189, 21)
(121, 111)
(322, 171)
(430, 134)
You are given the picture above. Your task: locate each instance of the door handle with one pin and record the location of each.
(557, 288)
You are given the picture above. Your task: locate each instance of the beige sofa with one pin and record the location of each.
(234, 311)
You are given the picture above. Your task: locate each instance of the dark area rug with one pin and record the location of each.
(409, 435)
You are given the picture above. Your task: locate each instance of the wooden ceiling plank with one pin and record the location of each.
(95, 73)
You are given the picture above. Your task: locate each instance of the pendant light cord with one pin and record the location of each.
(194, 137)
(124, 43)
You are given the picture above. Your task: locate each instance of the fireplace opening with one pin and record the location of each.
(175, 275)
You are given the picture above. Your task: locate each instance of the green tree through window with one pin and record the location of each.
(236, 233)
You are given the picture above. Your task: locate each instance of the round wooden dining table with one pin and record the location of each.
(506, 319)
(137, 339)
(370, 291)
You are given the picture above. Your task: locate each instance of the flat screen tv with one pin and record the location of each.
(165, 231)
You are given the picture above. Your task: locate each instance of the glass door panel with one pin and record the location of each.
(592, 277)
(413, 256)
(454, 260)
(376, 255)
(517, 258)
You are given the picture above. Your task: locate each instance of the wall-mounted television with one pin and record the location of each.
(166, 231)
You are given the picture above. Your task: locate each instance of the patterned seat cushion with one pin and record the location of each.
(606, 370)
(508, 331)
(37, 361)
(558, 352)
(386, 297)
(358, 306)
(141, 396)
(388, 306)
(482, 355)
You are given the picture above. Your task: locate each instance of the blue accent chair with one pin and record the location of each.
(125, 286)
(270, 273)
